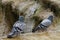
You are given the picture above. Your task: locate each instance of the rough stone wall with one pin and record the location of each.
(11, 15)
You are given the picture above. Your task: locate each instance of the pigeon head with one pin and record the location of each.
(21, 18)
(50, 18)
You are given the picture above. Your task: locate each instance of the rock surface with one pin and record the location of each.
(7, 20)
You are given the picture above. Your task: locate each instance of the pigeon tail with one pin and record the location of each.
(35, 29)
(15, 31)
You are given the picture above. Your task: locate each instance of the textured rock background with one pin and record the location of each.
(7, 19)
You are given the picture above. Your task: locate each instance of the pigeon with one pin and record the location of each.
(17, 27)
(44, 24)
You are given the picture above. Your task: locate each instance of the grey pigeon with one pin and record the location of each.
(44, 24)
(17, 27)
